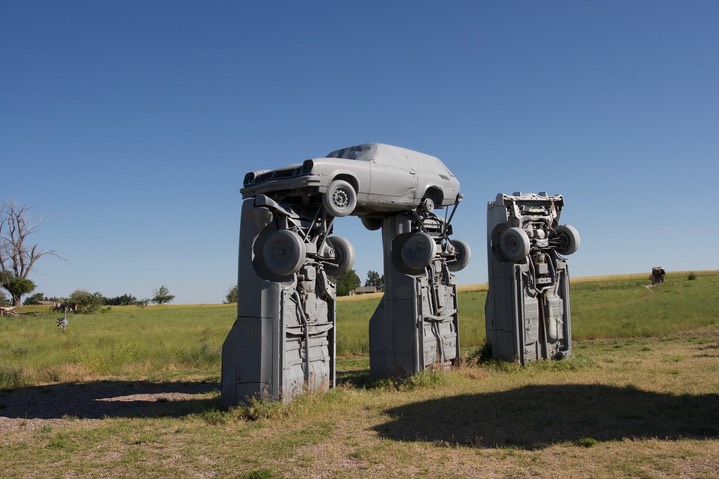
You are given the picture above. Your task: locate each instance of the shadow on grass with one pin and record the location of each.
(534, 417)
(357, 378)
(101, 399)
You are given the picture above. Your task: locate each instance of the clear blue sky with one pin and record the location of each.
(129, 125)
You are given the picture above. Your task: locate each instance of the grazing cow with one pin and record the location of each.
(658, 275)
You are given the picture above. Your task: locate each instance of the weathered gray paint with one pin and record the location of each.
(528, 309)
(283, 342)
(415, 326)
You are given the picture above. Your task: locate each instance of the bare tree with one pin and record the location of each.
(17, 255)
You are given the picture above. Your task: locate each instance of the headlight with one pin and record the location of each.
(249, 178)
(308, 166)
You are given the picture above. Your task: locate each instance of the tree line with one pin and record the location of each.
(346, 284)
(85, 302)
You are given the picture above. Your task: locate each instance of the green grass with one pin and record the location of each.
(158, 342)
(601, 308)
(184, 342)
(627, 308)
(638, 398)
(621, 408)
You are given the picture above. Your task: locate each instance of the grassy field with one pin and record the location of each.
(133, 392)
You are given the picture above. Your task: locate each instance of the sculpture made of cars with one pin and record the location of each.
(527, 309)
(366, 179)
(283, 342)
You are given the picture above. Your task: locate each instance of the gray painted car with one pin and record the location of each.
(361, 180)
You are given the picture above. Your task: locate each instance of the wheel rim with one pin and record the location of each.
(340, 198)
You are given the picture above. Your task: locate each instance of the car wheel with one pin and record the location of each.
(514, 244)
(463, 255)
(340, 199)
(344, 256)
(372, 223)
(569, 237)
(283, 252)
(418, 251)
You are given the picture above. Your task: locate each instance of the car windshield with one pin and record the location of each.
(359, 152)
(381, 154)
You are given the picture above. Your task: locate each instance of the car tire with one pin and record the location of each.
(344, 256)
(340, 198)
(372, 223)
(514, 244)
(428, 204)
(569, 236)
(462, 256)
(283, 252)
(418, 251)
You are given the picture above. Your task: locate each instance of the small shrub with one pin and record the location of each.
(586, 442)
(257, 409)
(385, 384)
(483, 354)
(58, 442)
(692, 276)
(213, 417)
(259, 474)
(86, 302)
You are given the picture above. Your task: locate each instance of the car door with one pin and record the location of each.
(393, 183)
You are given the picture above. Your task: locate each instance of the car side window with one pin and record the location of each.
(394, 161)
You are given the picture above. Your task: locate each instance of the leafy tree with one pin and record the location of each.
(124, 300)
(374, 279)
(162, 295)
(347, 283)
(17, 287)
(86, 302)
(17, 255)
(34, 299)
(231, 296)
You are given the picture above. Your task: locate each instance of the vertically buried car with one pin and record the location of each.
(361, 180)
(527, 308)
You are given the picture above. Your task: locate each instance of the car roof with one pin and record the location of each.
(390, 154)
